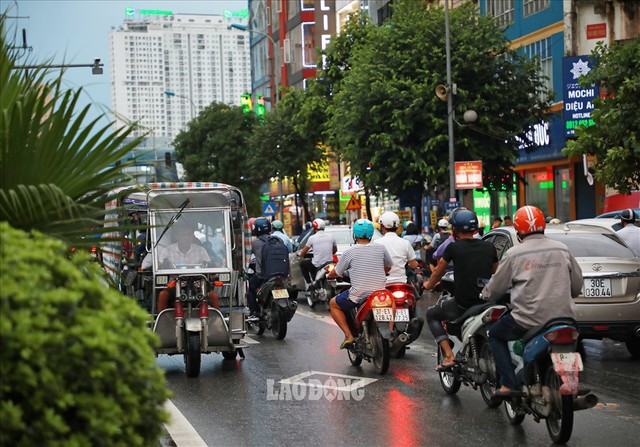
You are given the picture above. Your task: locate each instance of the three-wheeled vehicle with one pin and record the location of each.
(217, 219)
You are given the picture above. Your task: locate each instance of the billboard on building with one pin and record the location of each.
(578, 100)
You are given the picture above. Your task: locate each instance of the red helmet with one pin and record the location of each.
(528, 220)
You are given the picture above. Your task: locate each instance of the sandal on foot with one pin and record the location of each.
(445, 368)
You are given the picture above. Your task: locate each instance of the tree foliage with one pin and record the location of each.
(614, 138)
(386, 121)
(215, 147)
(56, 169)
(288, 141)
(76, 360)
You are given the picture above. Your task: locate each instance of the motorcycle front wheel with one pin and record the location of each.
(381, 354)
(560, 421)
(450, 384)
(514, 417)
(491, 384)
(278, 322)
(192, 354)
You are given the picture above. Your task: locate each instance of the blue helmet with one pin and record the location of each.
(363, 228)
(261, 226)
(463, 220)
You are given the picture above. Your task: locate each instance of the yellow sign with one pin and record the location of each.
(320, 174)
(434, 218)
(354, 204)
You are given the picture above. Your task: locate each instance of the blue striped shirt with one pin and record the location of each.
(365, 265)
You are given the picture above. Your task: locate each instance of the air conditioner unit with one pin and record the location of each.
(287, 51)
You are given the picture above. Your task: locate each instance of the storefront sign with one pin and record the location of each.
(229, 14)
(578, 100)
(468, 174)
(597, 31)
(147, 12)
(320, 173)
(537, 136)
(351, 184)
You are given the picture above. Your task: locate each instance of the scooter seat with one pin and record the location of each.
(473, 310)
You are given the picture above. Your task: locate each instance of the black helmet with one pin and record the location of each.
(261, 226)
(464, 220)
(627, 215)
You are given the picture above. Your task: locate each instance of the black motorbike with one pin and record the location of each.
(275, 309)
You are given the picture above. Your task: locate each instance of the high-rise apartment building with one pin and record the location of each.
(166, 68)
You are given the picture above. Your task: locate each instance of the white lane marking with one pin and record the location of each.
(181, 431)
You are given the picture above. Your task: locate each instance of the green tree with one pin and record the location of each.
(386, 121)
(613, 140)
(56, 169)
(215, 147)
(289, 141)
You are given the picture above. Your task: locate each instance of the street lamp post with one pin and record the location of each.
(96, 67)
(452, 178)
(193, 106)
(272, 86)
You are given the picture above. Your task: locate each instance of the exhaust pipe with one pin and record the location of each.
(403, 338)
(585, 402)
(637, 331)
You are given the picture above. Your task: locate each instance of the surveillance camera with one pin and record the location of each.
(96, 61)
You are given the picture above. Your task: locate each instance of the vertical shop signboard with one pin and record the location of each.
(578, 100)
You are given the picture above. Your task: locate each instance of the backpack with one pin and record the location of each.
(275, 258)
(439, 240)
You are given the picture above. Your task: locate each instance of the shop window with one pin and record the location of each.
(537, 190)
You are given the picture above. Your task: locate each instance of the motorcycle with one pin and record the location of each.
(417, 278)
(407, 327)
(470, 344)
(275, 309)
(322, 290)
(372, 324)
(547, 364)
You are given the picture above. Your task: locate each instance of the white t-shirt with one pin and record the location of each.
(630, 234)
(322, 244)
(401, 252)
(195, 255)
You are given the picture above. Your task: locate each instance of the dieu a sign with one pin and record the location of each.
(578, 100)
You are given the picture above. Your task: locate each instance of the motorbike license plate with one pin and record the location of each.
(597, 288)
(280, 293)
(386, 314)
(567, 361)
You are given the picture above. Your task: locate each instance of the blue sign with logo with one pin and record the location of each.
(578, 100)
(269, 208)
(448, 206)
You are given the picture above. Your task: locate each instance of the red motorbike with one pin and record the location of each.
(407, 326)
(372, 324)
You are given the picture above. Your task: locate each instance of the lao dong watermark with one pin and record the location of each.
(316, 389)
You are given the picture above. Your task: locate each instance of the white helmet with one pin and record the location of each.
(443, 223)
(318, 224)
(389, 220)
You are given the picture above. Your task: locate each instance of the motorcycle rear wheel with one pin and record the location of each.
(381, 354)
(489, 387)
(401, 352)
(278, 322)
(230, 355)
(192, 354)
(449, 382)
(560, 421)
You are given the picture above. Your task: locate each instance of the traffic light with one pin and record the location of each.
(260, 106)
(245, 101)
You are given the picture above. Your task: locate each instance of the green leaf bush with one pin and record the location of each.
(77, 365)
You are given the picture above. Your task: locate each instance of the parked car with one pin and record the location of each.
(609, 305)
(616, 215)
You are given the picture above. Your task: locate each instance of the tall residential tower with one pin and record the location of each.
(167, 68)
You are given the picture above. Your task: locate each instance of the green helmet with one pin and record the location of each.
(277, 225)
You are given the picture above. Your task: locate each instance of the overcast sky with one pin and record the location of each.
(77, 32)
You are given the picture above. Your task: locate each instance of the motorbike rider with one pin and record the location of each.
(324, 246)
(400, 249)
(473, 259)
(185, 250)
(438, 239)
(261, 229)
(278, 230)
(367, 264)
(544, 278)
(629, 233)
(415, 239)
